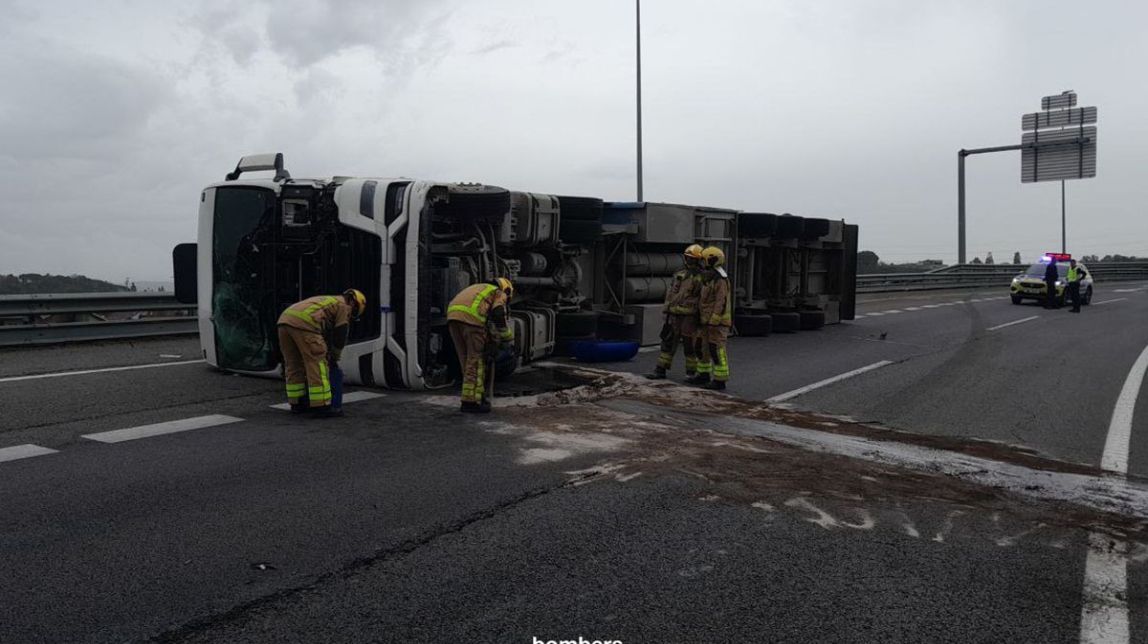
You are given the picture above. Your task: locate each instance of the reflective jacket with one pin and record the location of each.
(682, 296)
(480, 304)
(714, 306)
(327, 315)
(1073, 274)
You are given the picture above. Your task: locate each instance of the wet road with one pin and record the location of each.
(597, 517)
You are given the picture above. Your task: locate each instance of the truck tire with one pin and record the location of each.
(752, 326)
(469, 202)
(579, 209)
(812, 320)
(785, 321)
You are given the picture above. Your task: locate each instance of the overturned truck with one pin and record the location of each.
(584, 269)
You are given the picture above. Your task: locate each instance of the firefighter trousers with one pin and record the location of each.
(470, 346)
(305, 367)
(679, 329)
(711, 351)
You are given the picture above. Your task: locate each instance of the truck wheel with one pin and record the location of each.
(812, 320)
(1016, 299)
(751, 326)
(785, 322)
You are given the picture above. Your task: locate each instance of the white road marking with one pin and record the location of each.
(158, 429)
(1104, 617)
(354, 396)
(648, 349)
(912, 308)
(858, 317)
(18, 452)
(893, 311)
(1119, 299)
(60, 374)
(875, 314)
(828, 381)
(930, 306)
(1001, 326)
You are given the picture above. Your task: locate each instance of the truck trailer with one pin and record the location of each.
(583, 268)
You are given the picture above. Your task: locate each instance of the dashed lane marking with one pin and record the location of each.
(159, 429)
(61, 374)
(828, 381)
(1119, 299)
(352, 397)
(1001, 326)
(18, 452)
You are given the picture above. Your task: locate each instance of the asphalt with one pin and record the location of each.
(405, 521)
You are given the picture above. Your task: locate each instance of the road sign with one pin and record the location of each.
(1056, 155)
(1059, 118)
(1059, 101)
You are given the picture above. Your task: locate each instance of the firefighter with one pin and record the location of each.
(478, 318)
(312, 334)
(681, 310)
(715, 317)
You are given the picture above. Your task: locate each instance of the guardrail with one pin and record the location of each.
(982, 275)
(73, 317)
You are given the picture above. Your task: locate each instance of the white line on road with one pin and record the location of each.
(828, 381)
(60, 374)
(912, 308)
(158, 429)
(1119, 299)
(354, 396)
(1104, 618)
(878, 314)
(648, 349)
(1001, 326)
(23, 451)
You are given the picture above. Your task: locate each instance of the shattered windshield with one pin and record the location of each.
(241, 300)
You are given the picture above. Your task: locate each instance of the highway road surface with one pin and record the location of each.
(948, 467)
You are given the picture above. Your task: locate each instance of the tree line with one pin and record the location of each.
(29, 283)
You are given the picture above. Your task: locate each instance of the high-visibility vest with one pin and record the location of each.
(1072, 273)
(473, 304)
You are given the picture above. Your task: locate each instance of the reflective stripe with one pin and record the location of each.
(704, 367)
(472, 308)
(302, 316)
(666, 360)
(721, 367)
(507, 333)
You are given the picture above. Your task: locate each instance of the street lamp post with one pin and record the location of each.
(638, 42)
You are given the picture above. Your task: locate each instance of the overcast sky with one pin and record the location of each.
(113, 115)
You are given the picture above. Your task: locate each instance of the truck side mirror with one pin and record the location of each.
(183, 259)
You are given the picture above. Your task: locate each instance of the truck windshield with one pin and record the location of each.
(243, 306)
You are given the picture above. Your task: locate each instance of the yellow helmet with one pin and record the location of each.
(357, 300)
(506, 286)
(713, 257)
(693, 251)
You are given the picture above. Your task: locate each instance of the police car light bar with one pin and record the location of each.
(1060, 257)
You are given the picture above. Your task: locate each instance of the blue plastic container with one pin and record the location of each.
(603, 351)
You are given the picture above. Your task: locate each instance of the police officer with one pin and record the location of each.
(1074, 277)
(715, 315)
(478, 317)
(681, 310)
(1050, 277)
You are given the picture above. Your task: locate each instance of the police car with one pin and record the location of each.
(1030, 285)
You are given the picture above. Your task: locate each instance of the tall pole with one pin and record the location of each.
(1063, 234)
(638, 41)
(961, 206)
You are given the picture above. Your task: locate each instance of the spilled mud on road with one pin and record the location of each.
(848, 476)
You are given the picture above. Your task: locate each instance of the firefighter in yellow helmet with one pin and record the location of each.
(681, 310)
(715, 315)
(312, 334)
(478, 317)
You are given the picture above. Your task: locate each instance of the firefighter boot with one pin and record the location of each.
(659, 373)
(700, 378)
(715, 385)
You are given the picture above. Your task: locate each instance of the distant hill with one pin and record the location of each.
(35, 283)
